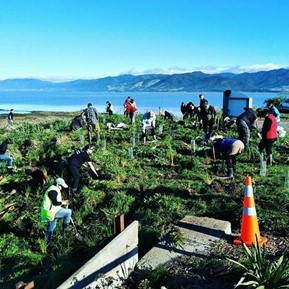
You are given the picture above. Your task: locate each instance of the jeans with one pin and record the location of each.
(8, 159)
(62, 213)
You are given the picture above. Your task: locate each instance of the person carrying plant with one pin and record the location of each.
(230, 149)
(245, 122)
(52, 210)
(75, 162)
(91, 115)
(4, 156)
(149, 123)
(269, 135)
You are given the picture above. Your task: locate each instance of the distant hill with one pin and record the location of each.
(274, 80)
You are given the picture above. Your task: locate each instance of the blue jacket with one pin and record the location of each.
(225, 145)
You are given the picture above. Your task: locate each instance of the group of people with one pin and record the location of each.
(54, 207)
(245, 122)
(130, 109)
(204, 114)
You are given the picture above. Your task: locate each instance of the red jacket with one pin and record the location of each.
(269, 130)
(130, 108)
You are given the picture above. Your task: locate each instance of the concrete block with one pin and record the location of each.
(200, 234)
(113, 262)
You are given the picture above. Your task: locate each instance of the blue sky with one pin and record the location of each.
(71, 39)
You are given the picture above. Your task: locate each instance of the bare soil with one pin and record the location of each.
(209, 272)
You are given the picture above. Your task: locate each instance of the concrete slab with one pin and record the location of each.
(113, 263)
(200, 234)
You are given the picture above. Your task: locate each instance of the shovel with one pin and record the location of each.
(77, 235)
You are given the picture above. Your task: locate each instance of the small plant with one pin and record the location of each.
(262, 273)
(157, 277)
(177, 237)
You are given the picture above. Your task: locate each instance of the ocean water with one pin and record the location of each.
(27, 101)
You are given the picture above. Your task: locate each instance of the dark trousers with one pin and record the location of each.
(207, 125)
(145, 132)
(75, 176)
(267, 144)
(231, 161)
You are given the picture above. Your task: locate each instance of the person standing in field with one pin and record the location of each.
(125, 105)
(183, 108)
(10, 117)
(109, 108)
(208, 116)
(203, 101)
(131, 110)
(269, 135)
(92, 120)
(274, 110)
(245, 122)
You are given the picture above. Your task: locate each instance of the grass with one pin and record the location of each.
(158, 185)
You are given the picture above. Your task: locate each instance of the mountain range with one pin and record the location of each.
(274, 80)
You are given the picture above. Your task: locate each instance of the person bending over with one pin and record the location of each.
(75, 162)
(149, 124)
(229, 149)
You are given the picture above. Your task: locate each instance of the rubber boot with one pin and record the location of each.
(230, 173)
(270, 160)
(144, 139)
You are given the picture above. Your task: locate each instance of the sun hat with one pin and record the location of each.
(60, 181)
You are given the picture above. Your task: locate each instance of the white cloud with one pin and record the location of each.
(259, 67)
(240, 69)
(171, 70)
(208, 69)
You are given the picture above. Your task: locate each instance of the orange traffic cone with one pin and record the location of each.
(249, 227)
